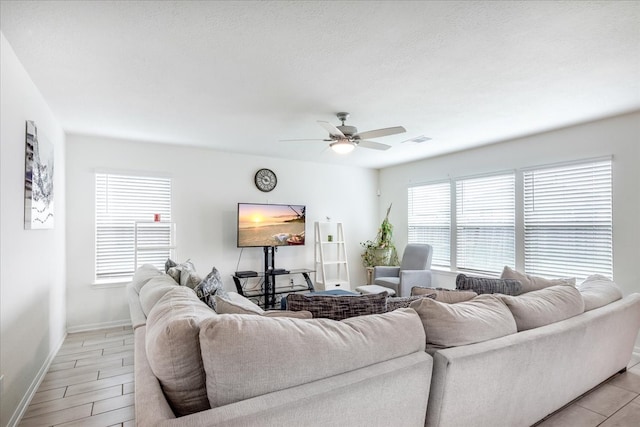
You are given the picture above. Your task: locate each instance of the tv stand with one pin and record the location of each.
(268, 290)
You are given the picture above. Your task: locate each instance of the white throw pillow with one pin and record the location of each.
(598, 291)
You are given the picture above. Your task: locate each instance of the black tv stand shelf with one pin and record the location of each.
(266, 290)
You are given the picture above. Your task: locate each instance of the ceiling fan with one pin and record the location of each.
(344, 138)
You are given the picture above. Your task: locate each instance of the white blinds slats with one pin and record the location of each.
(121, 201)
(485, 223)
(429, 219)
(568, 220)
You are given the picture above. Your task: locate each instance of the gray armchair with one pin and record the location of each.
(414, 270)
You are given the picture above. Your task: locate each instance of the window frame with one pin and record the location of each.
(142, 221)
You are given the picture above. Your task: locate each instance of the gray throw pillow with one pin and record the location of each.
(488, 285)
(209, 287)
(338, 307)
(168, 264)
(449, 296)
(394, 303)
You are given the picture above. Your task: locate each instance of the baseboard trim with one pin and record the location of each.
(35, 384)
(97, 326)
(636, 349)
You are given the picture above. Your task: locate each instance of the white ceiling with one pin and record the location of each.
(240, 76)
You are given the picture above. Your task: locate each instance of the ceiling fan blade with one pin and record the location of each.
(333, 131)
(296, 140)
(373, 144)
(381, 132)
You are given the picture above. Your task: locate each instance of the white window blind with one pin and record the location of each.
(567, 220)
(485, 223)
(429, 219)
(126, 234)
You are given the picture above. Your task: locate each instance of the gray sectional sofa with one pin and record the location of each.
(241, 370)
(253, 370)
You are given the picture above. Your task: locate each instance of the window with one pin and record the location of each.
(430, 219)
(485, 223)
(126, 234)
(567, 220)
(564, 216)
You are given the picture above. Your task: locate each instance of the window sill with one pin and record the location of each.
(110, 283)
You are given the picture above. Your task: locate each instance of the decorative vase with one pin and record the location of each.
(383, 256)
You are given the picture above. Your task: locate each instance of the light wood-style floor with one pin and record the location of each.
(90, 383)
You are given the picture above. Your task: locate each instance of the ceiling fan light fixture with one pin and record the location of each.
(343, 146)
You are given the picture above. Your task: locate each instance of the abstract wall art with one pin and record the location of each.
(38, 180)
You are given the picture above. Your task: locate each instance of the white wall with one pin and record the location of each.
(32, 262)
(617, 136)
(207, 185)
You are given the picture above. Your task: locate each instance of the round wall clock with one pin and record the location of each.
(265, 180)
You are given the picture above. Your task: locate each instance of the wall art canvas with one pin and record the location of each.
(38, 180)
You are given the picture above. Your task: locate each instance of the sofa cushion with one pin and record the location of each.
(394, 303)
(173, 349)
(533, 283)
(597, 291)
(155, 289)
(480, 319)
(235, 303)
(338, 307)
(210, 286)
(488, 285)
(450, 296)
(143, 274)
(298, 351)
(545, 306)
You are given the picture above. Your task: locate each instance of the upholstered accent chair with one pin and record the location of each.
(414, 270)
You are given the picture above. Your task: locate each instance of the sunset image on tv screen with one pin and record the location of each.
(270, 225)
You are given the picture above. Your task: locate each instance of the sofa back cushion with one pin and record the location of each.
(450, 296)
(143, 274)
(338, 307)
(480, 319)
(545, 306)
(534, 283)
(488, 285)
(278, 353)
(155, 289)
(173, 349)
(598, 291)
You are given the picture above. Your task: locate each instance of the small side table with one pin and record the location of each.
(374, 289)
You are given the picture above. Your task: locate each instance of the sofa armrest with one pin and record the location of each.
(394, 392)
(385, 271)
(411, 278)
(135, 309)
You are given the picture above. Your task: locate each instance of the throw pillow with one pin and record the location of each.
(188, 275)
(449, 296)
(168, 264)
(173, 349)
(394, 303)
(338, 307)
(533, 283)
(598, 291)
(545, 306)
(480, 319)
(234, 376)
(488, 285)
(210, 286)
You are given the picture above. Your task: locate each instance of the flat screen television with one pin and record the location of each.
(262, 225)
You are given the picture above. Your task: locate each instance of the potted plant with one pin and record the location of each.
(380, 251)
